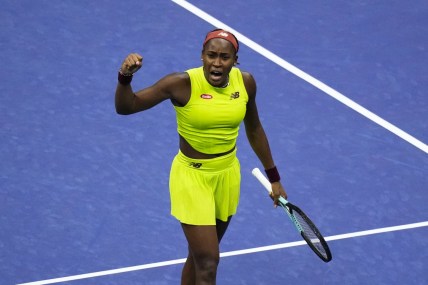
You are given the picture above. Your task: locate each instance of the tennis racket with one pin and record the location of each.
(304, 225)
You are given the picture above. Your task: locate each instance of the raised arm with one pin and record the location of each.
(173, 86)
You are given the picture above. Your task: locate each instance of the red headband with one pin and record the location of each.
(222, 34)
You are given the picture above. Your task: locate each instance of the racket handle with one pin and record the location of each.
(263, 180)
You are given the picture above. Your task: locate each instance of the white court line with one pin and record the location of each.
(303, 75)
(226, 254)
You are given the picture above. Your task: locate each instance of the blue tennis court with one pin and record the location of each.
(342, 93)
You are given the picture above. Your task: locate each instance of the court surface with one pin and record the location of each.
(342, 94)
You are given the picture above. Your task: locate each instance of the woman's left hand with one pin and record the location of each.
(277, 191)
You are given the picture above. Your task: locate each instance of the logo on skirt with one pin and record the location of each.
(195, 164)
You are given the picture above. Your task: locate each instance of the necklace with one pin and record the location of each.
(227, 83)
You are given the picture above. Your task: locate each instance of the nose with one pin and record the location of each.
(217, 61)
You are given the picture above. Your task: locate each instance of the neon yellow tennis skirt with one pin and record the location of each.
(203, 190)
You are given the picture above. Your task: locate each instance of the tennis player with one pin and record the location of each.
(210, 102)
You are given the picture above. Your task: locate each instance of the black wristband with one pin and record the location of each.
(124, 79)
(273, 174)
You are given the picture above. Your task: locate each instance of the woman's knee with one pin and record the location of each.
(207, 271)
(206, 265)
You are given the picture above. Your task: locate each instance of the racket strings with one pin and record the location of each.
(310, 233)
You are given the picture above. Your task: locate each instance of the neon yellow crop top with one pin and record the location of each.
(210, 121)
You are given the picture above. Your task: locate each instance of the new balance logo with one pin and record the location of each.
(195, 164)
(223, 34)
(234, 95)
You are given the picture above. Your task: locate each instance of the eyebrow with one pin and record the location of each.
(221, 53)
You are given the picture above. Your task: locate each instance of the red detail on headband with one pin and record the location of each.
(222, 34)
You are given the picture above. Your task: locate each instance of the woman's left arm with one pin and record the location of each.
(257, 136)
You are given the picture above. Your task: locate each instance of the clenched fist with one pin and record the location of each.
(131, 64)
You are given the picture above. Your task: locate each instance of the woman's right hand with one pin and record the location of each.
(131, 64)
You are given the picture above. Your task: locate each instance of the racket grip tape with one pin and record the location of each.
(262, 179)
(265, 182)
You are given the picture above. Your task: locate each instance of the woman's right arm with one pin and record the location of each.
(129, 102)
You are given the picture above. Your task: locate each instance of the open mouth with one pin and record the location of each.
(216, 75)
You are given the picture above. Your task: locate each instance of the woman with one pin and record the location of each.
(210, 102)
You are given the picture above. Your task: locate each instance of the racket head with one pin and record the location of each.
(308, 231)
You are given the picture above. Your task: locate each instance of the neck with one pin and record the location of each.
(226, 84)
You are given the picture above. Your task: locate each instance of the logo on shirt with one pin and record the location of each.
(206, 96)
(234, 95)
